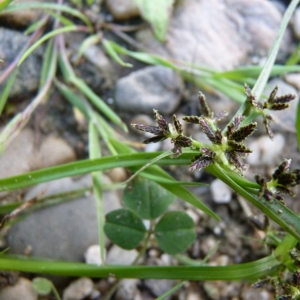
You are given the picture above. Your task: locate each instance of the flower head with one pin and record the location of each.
(273, 103)
(163, 130)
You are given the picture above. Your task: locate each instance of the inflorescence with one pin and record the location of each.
(227, 147)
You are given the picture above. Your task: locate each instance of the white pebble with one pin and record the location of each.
(221, 192)
(79, 289)
(265, 150)
(92, 255)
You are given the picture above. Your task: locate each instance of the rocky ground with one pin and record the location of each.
(222, 34)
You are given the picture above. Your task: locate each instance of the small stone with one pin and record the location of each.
(195, 217)
(70, 227)
(293, 79)
(117, 174)
(128, 289)
(122, 9)
(151, 88)
(237, 37)
(153, 147)
(22, 18)
(266, 151)
(79, 289)
(158, 287)
(119, 256)
(27, 80)
(21, 156)
(221, 192)
(21, 290)
(53, 151)
(92, 255)
(96, 56)
(193, 296)
(249, 293)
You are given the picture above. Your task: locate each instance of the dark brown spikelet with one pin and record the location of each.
(243, 132)
(218, 137)
(221, 115)
(285, 190)
(273, 95)
(232, 157)
(191, 119)
(250, 96)
(278, 106)
(287, 179)
(260, 180)
(296, 279)
(200, 162)
(267, 121)
(177, 125)
(182, 141)
(234, 125)
(207, 152)
(260, 283)
(206, 128)
(147, 128)
(204, 108)
(179, 142)
(284, 98)
(297, 180)
(162, 124)
(155, 139)
(238, 147)
(282, 168)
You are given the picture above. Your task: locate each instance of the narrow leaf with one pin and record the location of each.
(95, 152)
(113, 54)
(157, 13)
(44, 38)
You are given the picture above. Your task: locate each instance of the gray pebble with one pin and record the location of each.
(21, 290)
(151, 88)
(79, 289)
(221, 192)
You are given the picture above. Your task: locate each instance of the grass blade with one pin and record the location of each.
(275, 210)
(7, 89)
(44, 38)
(247, 271)
(90, 40)
(95, 152)
(114, 55)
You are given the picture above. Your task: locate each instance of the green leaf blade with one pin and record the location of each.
(147, 198)
(175, 232)
(124, 228)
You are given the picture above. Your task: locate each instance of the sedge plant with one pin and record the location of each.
(223, 158)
